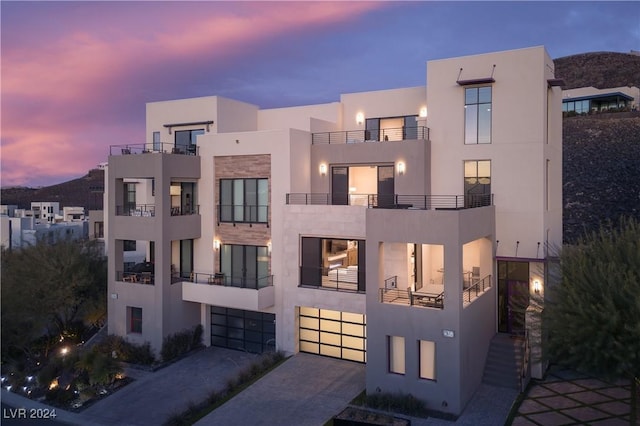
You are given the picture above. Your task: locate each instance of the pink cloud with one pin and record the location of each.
(55, 92)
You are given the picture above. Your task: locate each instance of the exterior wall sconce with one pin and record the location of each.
(359, 118)
(216, 245)
(400, 168)
(536, 286)
(423, 112)
(269, 247)
(323, 169)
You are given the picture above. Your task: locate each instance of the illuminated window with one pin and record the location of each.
(396, 354)
(427, 359)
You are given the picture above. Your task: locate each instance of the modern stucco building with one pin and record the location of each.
(403, 228)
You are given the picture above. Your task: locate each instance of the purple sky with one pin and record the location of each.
(76, 75)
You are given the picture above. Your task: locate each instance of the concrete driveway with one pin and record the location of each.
(304, 390)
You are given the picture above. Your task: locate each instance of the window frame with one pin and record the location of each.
(239, 208)
(474, 138)
(396, 343)
(135, 320)
(434, 355)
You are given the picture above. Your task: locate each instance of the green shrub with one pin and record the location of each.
(397, 403)
(126, 351)
(180, 343)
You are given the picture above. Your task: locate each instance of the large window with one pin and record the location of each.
(396, 354)
(135, 319)
(245, 266)
(186, 140)
(333, 263)
(244, 200)
(477, 183)
(477, 115)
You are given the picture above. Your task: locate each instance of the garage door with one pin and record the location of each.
(244, 330)
(333, 333)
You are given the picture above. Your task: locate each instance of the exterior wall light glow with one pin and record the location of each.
(269, 247)
(216, 244)
(323, 169)
(423, 112)
(359, 118)
(536, 286)
(400, 168)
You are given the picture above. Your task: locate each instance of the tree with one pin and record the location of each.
(593, 314)
(47, 289)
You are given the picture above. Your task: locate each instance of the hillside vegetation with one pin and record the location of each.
(599, 69)
(601, 171)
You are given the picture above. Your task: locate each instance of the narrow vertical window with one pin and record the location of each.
(396, 354)
(157, 146)
(427, 358)
(135, 320)
(477, 115)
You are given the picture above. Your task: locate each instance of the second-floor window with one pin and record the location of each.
(477, 115)
(244, 200)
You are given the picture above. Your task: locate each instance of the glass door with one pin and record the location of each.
(513, 296)
(386, 186)
(340, 186)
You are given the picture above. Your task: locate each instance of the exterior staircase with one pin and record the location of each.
(504, 362)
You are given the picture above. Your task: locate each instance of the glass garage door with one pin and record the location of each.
(333, 333)
(243, 330)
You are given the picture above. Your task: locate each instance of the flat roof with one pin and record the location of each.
(612, 95)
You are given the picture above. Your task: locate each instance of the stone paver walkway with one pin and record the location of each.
(566, 397)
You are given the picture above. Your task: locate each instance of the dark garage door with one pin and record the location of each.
(249, 331)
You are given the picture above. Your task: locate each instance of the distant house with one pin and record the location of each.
(585, 100)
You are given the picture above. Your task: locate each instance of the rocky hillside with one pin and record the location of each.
(83, 192)
(601, 171)
(599, 69)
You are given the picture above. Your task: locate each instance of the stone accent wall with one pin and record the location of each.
(236, 167)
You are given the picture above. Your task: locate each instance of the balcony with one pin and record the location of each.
(475, 290)
(374, 135)
(338, 279)
(243, 213)
(395, 201)
(138, 210)
(149, 148)
(411, 298)
(135, 277)
(234, 292)
(391, 294)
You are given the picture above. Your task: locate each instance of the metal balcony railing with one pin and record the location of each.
(146, 148)
(254, 283)
(144, 210)
(185, 210)
(373, 135)
(476, 289)
(394, 201)
(410, 298)
(136, 277)
(243, 213)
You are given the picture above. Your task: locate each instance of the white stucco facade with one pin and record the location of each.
(369, 228)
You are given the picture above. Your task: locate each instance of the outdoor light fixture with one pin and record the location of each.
(400, 168)
(536, 286)
(423, 112)
(269, 247)
(216, 244)
(323, 169)
(359, 118)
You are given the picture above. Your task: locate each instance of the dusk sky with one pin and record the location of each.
(76, 75)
